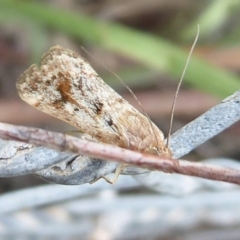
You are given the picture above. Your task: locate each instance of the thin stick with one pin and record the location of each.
(64, 142)
(179, 85)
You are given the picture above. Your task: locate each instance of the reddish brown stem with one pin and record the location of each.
(64, 142)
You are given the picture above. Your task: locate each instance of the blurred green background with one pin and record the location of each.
(155, 34)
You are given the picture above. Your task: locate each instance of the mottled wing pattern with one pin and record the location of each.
(65, 86)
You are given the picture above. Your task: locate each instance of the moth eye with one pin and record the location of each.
(76, 109)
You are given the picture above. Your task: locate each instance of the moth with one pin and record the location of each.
(66, 86)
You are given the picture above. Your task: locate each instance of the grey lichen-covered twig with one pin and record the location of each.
(195, 133)
(17, 158)
(206, 126)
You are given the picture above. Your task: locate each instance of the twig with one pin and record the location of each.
(22, 158)
(206, 126)
(64, 142)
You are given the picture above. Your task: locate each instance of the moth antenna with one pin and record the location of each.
(179, 85)
(128, 88)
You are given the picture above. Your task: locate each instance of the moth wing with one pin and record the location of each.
(65, 86)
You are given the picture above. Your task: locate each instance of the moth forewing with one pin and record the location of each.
(65, 86)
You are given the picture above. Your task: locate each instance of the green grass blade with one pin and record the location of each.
(150, 50)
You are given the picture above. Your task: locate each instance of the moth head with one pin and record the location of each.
(162, 151)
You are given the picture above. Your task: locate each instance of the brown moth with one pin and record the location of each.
(65, 86)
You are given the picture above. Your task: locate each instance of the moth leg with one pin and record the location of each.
(118, 171)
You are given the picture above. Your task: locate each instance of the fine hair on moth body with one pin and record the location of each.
(65, 86)
(153, 150)
(129, 90)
